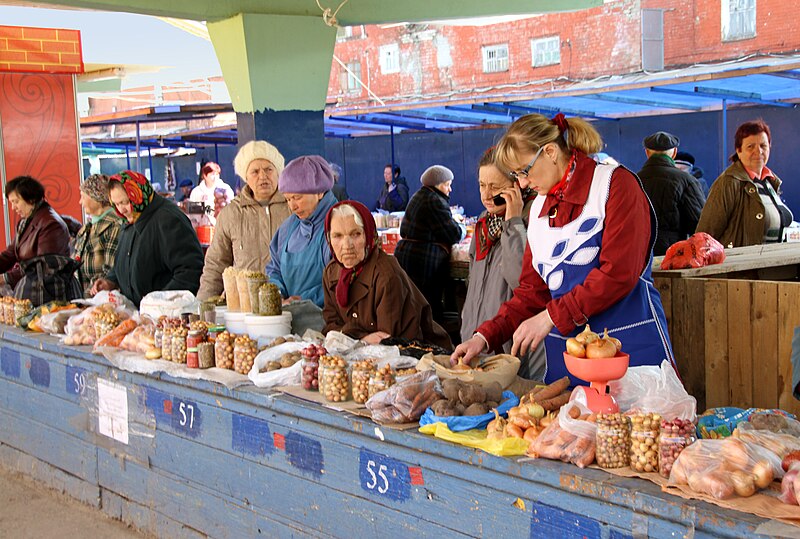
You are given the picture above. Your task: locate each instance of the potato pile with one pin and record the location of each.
(287, 360)
(465, 399)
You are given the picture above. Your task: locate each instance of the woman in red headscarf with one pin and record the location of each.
(158, 248)
(368, 296)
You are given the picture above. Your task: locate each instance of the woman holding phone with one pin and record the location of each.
(590, 244)
(495, 254)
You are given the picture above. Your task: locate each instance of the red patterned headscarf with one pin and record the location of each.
(136, 186)
(348, 275)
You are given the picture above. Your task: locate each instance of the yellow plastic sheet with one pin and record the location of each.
(506, 447)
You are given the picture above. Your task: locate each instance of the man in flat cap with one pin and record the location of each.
(676, 195)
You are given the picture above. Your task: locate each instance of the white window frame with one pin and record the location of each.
(350, 83)
(495, 58)
(390, 58)
(545, 51)
(738, 19)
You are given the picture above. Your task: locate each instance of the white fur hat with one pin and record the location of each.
(257, 149)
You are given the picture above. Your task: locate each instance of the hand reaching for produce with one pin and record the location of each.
(468, 350)
(375, 338)
(291, 299)
(102, 284)
(531, 333)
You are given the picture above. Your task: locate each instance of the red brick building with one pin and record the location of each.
(430, 61)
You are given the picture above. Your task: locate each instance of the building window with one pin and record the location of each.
(390, 58)
(495, 58)
(738, 19)
(343, 33)
(545, 51)
(349, 78)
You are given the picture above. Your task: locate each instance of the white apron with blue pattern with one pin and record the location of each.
(564, 257)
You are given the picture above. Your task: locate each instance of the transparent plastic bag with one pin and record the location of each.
(140, 339)
(284, 376)
(407, 400)
(569, 438)
(790, 485)
(55, 323)
(725, 468)
(654, 389)
(777, 443)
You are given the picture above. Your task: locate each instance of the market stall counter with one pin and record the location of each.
(191, 458)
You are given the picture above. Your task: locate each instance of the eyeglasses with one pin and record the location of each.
(515, 175)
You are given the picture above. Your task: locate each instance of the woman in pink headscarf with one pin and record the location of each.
(368, 296)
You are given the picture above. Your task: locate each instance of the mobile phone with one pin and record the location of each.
(498, 200)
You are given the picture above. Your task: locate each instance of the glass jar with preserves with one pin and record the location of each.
(179, 344)
(644, 442)
(360, 375)
(193, 340)
(166, 343)
(382, 379)
(613, 441)
(245, 350)
(205, 355)
(309, 367)
(214, 331)
(223, 351)
(22, 307)
(269, 300)
(334, 378)
(676, 435)
(8, 310)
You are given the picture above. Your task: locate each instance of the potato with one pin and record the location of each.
(494, 392)
(477, 408)
(443, 408)
(450, 388)
(471, 394)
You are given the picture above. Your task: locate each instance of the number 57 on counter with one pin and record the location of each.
(386, 476)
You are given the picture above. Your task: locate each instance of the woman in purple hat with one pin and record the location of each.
(298, 251)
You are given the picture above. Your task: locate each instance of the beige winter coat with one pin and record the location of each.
(241, 238)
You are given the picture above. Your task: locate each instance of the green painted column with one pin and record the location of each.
(277, 68)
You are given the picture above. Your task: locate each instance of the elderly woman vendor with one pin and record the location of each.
(158, 248)
(368, 296)
(298, 251)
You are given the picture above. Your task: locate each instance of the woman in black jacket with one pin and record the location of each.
(428, 232)
(158, 249)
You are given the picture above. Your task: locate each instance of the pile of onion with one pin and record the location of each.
(590, 345)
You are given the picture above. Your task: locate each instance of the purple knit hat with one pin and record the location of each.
(308, 174)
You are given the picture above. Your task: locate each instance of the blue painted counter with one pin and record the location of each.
(202, 460)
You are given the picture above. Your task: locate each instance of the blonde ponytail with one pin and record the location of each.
(532, 131)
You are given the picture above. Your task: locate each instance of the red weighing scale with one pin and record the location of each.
(598, 372)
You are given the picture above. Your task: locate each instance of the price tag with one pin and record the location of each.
(186, 417)
(75, 381)
(384, 476)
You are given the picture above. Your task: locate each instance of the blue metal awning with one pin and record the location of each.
(771, 81)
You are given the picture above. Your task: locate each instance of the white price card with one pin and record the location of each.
(112, 408)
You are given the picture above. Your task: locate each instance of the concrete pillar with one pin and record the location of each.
(277, 69)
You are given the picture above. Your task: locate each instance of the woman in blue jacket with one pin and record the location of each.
(299, 251)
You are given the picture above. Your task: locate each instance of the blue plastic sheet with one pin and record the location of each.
(462, 423)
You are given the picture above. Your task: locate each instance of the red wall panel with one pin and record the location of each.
(39, 131)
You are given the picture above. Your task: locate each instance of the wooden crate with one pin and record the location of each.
(732, 339)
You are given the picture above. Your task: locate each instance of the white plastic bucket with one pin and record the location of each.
(268, 327)
(234, 322)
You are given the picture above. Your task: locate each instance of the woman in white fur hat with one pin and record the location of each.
(245, 226)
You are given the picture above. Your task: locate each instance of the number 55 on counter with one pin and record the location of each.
(386, 476)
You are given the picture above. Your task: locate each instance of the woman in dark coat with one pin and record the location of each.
(428, 232)
(37, 264)
(367, 295)
(158, 249)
